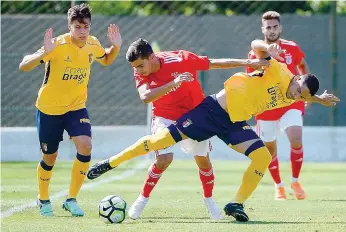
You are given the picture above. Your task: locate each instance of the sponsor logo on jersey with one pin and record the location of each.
(247, 127)
(78, 74)
(68, 59)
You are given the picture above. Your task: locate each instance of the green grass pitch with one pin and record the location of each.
(176, 202)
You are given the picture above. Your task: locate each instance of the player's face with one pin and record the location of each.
(271, 30)
(142, 66)
(80, 30)
(297, 90)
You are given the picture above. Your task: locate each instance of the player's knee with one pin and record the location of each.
(49, 159)
(259, 153)
(203, 162)
(84, 147)
(163, 161)
(296, 142)
(271, 146)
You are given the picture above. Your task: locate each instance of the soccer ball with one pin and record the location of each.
(112, 209)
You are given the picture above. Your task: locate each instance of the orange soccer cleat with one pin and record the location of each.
(280, 193)
(298, 191)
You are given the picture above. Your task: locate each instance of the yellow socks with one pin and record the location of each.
(260, 160)
(144, 145)
(79, 169)
(44, 174)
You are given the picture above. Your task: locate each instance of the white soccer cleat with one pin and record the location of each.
(213, 208)
(137, 207)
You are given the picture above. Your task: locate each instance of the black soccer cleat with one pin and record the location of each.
(236, 210)
(98, 169)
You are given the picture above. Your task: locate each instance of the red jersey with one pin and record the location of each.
(182, 98)
(293, 56)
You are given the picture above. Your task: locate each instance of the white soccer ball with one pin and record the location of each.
(112, 209)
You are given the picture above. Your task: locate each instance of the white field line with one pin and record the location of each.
(142, 164)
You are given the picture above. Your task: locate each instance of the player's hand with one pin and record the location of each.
(328, 99)
(275, 50)
(114, 36)
(184, 77)
(257, 63)
(48, 42)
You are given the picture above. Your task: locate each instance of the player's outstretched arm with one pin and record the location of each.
(31, 61)
(263, 50)
(114, 38)
(149, 95)
(234, 63)
(326, 99)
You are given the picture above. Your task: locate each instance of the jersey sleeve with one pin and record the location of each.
(47, 57)
(251, 55)
(200, 62)
(139, 79)
(99, 51)
(300, 55)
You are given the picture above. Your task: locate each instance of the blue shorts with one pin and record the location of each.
(51, 127)
(209, 119)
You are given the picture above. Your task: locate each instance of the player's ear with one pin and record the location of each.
(280, 26)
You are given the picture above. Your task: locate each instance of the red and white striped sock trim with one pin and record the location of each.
(209, 173)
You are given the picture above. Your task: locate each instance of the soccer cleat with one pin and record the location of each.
(298, 190)
(72, 206)
(280, 193)
(46, 208)
(137, 207)
(236, 210)
(213, 208)
(98, 169)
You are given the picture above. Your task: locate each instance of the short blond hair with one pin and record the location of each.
(271, 15)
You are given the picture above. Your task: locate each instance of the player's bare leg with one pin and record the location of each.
(206, 176)
(295, 135)
(154, 174)
(44, 174)
(79, 169)
(274, 169)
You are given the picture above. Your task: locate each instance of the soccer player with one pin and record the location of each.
(289, 118)
(61, 101)
(169, 80)
(225, 113)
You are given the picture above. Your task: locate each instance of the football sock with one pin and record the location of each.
(260, 160)
(144, 145)
(151, 180)
(44, 174)
(296, 161)
(274, 170)
(207, 178)
(79, 169)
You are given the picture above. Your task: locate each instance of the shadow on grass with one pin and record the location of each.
(226, 220)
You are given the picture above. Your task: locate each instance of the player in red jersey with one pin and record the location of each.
(289, 118)
(169, 81)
